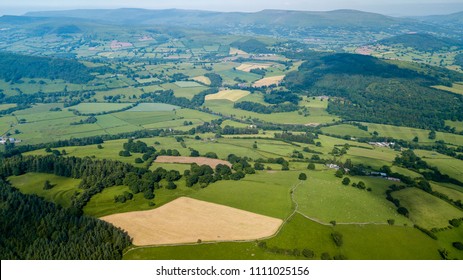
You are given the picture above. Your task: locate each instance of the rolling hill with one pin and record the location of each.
(422, 42)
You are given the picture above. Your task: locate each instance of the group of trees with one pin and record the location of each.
(95, 175)
(35, 229)
(307, 138)
(88, 120)
(263, 109)
(17, 66)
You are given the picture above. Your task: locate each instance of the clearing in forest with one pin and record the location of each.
(187, 220)
(212, 162)
(232, 95)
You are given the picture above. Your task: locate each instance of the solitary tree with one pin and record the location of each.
(302, 176)
(346, 181)
(311, 166)
(47, 185)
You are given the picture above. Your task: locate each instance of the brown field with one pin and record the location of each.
(232, 95)
(276, 80)
(187, 220)
(199, 160)
(202, 79)
(247, 67)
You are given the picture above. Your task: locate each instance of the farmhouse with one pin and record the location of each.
(4, 140)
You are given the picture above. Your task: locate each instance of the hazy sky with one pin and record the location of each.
(390, 7)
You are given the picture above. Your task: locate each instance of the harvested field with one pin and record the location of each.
(234, 51)
(232, 95)
(247, 67)
(269, 81)
(198, 160)
(202, 79)
(187, 220)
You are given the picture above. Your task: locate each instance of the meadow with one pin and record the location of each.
(407, 133)
(447, 165)
(427, 210)
(324, 198)
(32, 183)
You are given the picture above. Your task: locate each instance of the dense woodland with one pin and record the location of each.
(35, 229)
(371, 90)
(16, 66)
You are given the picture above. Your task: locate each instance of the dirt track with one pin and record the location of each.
(186, 220)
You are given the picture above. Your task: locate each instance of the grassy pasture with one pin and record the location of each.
(390, 242)
(32, 183)
(187, 92)
(458, 125)
(455, 88)
(323, 197)
(231, 95)
(455, 193)
(271, 189)
(187, 84)
(345, 129)
(94, 108)
(425, 209)
(447, 237)
(447, 165)
(407, 133)
(226, 107)
(153, 107)
(6, 106)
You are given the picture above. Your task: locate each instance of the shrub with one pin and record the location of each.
(302, 176)
(337, 238)
(308, 253)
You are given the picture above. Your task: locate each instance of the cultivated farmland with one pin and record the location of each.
(187, 220)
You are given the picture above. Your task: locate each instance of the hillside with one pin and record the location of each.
(376, 91)
(259, 22)
(16, 66)
(422, 42)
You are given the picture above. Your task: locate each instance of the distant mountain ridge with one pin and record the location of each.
(346, 18)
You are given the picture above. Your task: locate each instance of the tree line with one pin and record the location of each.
(35, 229)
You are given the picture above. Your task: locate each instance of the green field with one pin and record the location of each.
(32, 183)
(324, 198)
(457, 125)
(316, 116)
(271, 189)
(345, 129)
(95, 108)
(425, 209)
(390, 242)
(6, 106)
(153, 107)
(187, 84)
(103, 204)
(455, 192)
(455, 88)
(447, 165)
(407, 133)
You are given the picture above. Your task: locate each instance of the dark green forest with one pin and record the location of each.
(16, 66)
(32, 228)
(368, 89)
